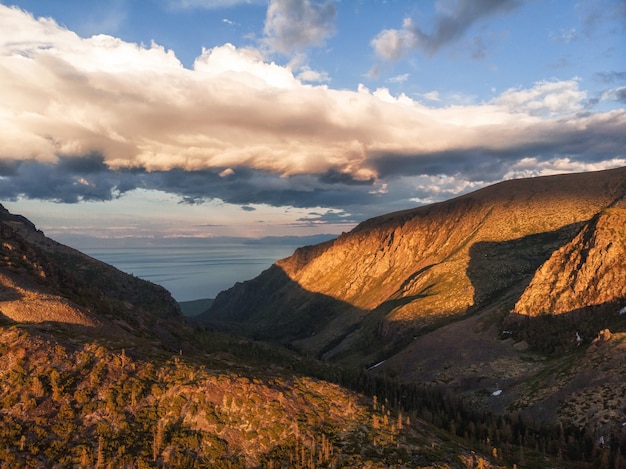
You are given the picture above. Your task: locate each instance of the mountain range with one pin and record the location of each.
(488, 330)
(485, 293)
(100, 369)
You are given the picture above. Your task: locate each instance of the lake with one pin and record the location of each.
(194, 271)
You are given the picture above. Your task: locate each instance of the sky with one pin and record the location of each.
(204, 118)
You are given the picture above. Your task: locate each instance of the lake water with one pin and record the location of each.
(194, 272)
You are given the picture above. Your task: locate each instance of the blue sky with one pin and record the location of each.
(175, 118)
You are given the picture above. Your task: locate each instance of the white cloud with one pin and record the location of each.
(533, 167)
(432, 95)
(545, 98)
(306, 74)
(140, 108)
(393, 44)
(399, 78)
(293, 25)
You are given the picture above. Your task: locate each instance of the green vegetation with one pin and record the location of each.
(248, 404)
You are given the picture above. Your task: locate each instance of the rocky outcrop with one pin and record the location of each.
(590, 270)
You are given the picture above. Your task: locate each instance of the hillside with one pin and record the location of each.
(99, 369)
(43, 281)
(479, 293)
(410, 270)
(485, 331)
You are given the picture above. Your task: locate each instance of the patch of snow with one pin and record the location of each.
(376, 365)
(497, 393)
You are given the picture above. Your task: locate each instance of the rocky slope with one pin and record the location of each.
(398, 275)
(590, 270)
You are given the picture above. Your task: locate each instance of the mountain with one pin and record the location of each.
(100, 369)
(43, 281)
(461, 292)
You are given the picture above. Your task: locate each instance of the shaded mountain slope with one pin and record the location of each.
(396, 275)
(44, 281)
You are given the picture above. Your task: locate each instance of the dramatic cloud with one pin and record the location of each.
(293, 25)
(392, 44)
(93, 118)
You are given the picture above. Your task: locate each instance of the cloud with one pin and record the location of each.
(616, 94)
(336, 217)
(611, 77)
(92, 119)
(312, 76)
(449, 26)
(294, 25)
(399, 78)
(564, 35)
(432, 95)
(545, 98)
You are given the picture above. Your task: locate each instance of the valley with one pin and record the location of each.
(485, 331)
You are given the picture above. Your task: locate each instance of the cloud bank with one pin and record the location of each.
(92, 118)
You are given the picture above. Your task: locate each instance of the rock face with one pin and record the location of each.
(589, 270)
(397, 275)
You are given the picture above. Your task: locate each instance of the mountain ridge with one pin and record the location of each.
(412, 266)
(462, 294)
(99, 369)
(143, 387)
(43, 281)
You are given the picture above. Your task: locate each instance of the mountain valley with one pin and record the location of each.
(504, 290)
(483, 331)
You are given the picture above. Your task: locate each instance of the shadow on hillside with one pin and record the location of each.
(499, 267)
(274, 307)
(556, 333)
(5, 320)
(9, 294)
